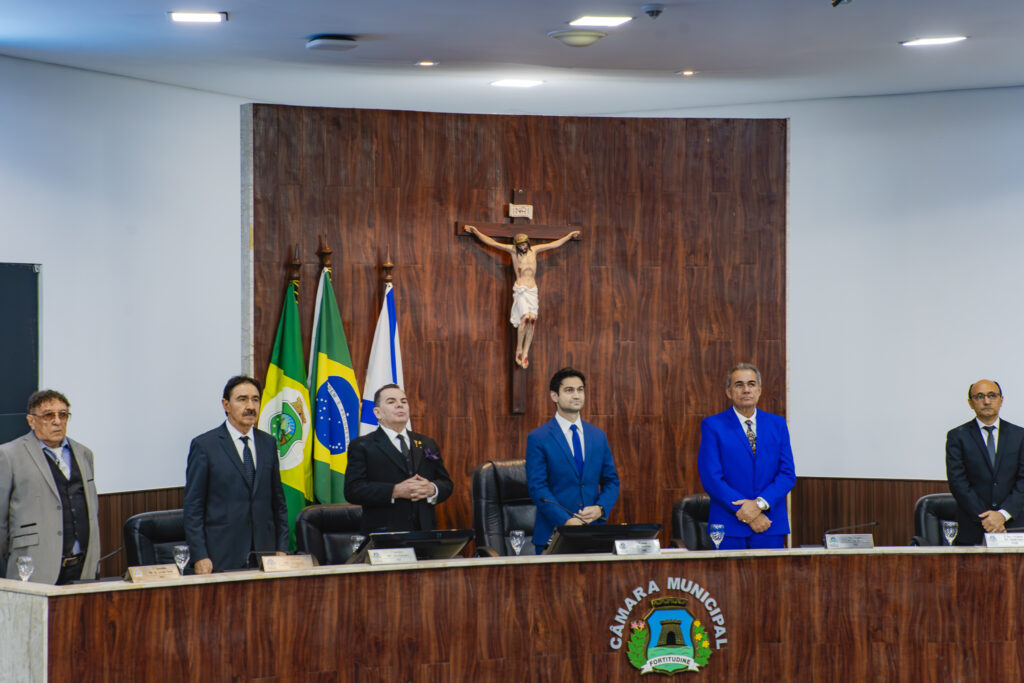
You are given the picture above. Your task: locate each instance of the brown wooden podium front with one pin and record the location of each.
(798, 615)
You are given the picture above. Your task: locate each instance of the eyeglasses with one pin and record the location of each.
(981, 397)
(62, 416)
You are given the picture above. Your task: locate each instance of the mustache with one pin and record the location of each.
(249, 412)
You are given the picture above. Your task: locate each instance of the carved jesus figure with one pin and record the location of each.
(525, 296)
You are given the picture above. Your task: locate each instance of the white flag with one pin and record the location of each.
(385, 366)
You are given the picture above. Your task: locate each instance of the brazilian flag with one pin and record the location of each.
(285, 410)
(332, 386)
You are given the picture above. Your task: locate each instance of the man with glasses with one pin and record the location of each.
(48, 502)
(985, 467)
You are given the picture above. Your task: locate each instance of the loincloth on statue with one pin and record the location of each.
(524, 300)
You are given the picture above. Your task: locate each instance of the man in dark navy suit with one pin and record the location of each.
(569, 467)
(234, 503)
(985, 467)
(746, 466)
(397, 475)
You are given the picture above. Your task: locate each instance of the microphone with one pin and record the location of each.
(567, 510)
(846, 528)
(111, 554)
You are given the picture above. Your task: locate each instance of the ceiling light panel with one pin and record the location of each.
(199, 17)
(515, 83)
(600, 21)
(920, 42)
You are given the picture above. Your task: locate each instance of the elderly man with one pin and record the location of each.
(985, 466)
(48, 501)
(746, 466)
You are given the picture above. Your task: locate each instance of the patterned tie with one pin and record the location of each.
(577, 449)
(61, 463)
(751, 437)
(404, 447)
(247, 461)
(990, 441)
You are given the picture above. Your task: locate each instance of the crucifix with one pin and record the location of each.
(525, 295)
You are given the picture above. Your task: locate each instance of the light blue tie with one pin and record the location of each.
(577, 449)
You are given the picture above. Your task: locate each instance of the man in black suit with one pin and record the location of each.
(396, 475)
(234, 503)
(985, 467)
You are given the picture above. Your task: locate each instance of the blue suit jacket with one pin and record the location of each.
(729, 470)
(551, 473)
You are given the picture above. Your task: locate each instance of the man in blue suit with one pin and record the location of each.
(569, 466)
(746, 466)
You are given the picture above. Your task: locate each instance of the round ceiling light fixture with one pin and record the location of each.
(577, 37)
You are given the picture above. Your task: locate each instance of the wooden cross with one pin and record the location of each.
(520, 221)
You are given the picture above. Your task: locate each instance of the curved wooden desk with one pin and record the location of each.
(797, 615)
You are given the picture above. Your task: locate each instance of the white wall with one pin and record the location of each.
(128, 194)
(906, 242)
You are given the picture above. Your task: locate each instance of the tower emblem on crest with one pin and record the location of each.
(668, 640)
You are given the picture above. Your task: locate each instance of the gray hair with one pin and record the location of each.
(742, 366)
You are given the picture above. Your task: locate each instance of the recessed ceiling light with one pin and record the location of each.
(199, 17)
(600, 21)
(515, 83)
(933, 41)
(426, 63)
(686, 72)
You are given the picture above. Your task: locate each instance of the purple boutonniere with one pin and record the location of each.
(431, 454)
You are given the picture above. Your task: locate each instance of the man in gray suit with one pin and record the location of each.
(48, 502)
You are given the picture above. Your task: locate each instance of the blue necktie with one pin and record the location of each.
(577, 449)
(990, 442)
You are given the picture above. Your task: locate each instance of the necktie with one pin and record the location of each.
(64, 469)
(990, 441)
(751, 437)
(577, 449)
(404, 447)
(247, 461)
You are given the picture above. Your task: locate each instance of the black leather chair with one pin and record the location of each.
(501, 503)
(150, 537)
(690, 522)
(929, 511)
(330, 533)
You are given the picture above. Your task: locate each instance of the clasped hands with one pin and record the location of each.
(993, 521)
(414, 488)
(751, 515)
(586, 515)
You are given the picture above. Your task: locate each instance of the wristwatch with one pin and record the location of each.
(762, 504)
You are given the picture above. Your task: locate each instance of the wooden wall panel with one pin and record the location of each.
(821, 503)
(680, 272)
(116, 508)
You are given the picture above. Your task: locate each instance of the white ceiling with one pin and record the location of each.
(746, 51)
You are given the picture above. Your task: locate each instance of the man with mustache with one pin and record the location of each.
(234, 503)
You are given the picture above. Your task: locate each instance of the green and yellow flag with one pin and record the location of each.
(285, 410)
(332, 384)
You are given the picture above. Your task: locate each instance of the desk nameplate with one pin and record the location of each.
(1007, 540)
(643, 546)
(849, 541)
(392, 555)
(153, 572)
(286, 563)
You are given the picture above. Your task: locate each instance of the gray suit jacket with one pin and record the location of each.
(30, 516)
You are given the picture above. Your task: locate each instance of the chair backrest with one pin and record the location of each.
(330, 533)
(690, 521)
(929, 511)
(501, 503)
(150, 537)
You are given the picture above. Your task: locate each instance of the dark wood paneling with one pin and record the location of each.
(116, 508)
(790, 617)
(680, 272)
(821, 503)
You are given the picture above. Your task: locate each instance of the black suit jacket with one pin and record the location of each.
(375, 466)
(225, 517)
(978, 487)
